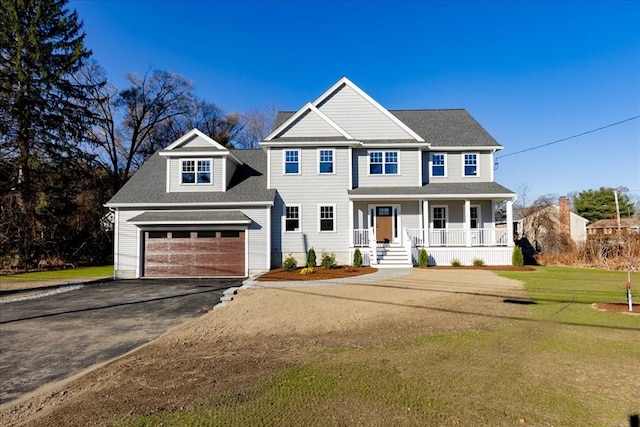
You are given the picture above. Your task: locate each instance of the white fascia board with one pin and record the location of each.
(429, 196)
(369, 99)
(331, 122)
(311, 144)
(195, 132)
(226, 153)
(238, 205)
(243, 222)
(392, 145)
(467, 148)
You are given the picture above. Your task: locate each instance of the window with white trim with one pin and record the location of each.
(292, 218)
(438, 164)
(439, 217)
(326, 218)
(195, 172)
(383, 163)
(325, 160)
(470, 164)
(292, 162)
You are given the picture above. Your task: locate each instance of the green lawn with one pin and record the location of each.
(71, 273)
(565, 365)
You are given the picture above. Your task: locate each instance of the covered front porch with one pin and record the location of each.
(391, 232)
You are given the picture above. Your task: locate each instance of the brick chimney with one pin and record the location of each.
(565, 222)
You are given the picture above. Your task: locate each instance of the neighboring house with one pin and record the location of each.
(557, 219)
(340, 173)
(608, 228)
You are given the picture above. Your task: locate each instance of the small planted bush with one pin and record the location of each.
(307, 270)
(289, 263)
(311, 258)
(456, 263)
(517, 258)
(357, 258)
(478, 262)
(423, 258)
(328, 261)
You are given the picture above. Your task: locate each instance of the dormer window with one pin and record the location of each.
(196, 172)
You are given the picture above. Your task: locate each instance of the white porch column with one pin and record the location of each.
(350, 223)
(467, 220)
(510, 223)
(425, 222)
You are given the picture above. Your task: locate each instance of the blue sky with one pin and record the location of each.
(530, 72)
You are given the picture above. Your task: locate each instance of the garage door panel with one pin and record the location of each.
(211, 254)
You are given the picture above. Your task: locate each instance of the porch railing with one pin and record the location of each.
(458, 237)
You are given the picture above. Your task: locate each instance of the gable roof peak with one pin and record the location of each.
(196, 133)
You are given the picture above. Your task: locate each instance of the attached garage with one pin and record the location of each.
(193, 244)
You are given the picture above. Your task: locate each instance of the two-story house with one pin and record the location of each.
(340, 173)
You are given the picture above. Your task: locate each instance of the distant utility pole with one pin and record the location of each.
(615, 195)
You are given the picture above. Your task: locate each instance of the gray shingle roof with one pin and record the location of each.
(441, 128)
(165, 217)
(148, 184)
(437, 189)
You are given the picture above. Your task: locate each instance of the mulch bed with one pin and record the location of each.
(617, 307)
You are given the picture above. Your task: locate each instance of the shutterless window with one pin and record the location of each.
(375, 163)
(292, 161)
(383, 162)
(470, 164)
(326, 218)
(326, 161)
(292, 218)
(437, 165)
(391, 163)
(439, 217)
(196, 171)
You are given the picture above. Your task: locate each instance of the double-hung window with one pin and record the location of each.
(327, 218)
(292, 162)
(196, 172)
(325, 161)
(383, 163)
(470, 164)
(438, 164)
(292, 218)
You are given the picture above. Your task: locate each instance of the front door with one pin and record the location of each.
(384, 224)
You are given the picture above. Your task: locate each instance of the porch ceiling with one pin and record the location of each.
(436, 191)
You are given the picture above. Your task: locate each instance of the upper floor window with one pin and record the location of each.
(292, 161)
(292, 218)
(326, 218)
(438, 164)
(471, 164)
(383, 162)
(325, 161)
(196, 172)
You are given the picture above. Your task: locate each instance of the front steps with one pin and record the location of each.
(389, 256)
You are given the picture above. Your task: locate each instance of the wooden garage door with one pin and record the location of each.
(194, 253)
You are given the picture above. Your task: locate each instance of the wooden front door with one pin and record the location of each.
(384, 224)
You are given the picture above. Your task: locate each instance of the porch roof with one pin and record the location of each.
(435, 191)
(191, 217)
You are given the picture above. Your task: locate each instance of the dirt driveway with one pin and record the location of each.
(49, 334)
(262, 331)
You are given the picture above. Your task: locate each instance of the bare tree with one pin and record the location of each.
(541, 226)
(258, 124)
(128, 120)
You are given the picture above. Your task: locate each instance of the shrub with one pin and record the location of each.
(478, 262)
(357, 258)
(517, 258)
(307, 270)
(456, 262)
(311, 258)
(289, 263)
(348, 269)
(423, 258)
(328, 261)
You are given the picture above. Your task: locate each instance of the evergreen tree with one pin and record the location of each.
(600, 204)
(42, 108)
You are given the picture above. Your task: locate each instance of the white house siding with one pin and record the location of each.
(311, 125)
(257, 237)
(578, 228)
(175, 172)
(359, 117)
(408, 168)
(126, 252)
(309, 190)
